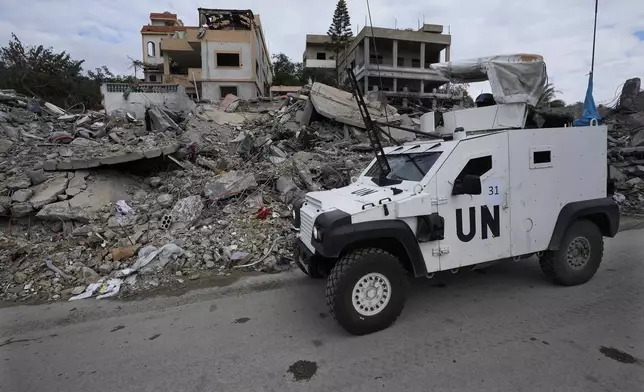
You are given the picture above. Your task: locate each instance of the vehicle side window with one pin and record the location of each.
(476, 166)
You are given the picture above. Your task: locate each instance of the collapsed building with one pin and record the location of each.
(225, 54)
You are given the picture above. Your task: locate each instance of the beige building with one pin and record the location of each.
(225, 54)
(319, 52)
(400, 57)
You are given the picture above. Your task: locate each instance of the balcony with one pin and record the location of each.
(313, 63)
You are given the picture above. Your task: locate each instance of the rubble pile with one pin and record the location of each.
(103, 204)
(626, 147)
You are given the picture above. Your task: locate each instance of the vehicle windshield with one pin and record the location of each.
(407, 167)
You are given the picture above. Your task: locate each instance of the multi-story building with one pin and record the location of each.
(398, 58)
(225, 54)
(319, 52)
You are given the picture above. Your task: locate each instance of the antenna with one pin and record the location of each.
(592, 62)
(395, 23)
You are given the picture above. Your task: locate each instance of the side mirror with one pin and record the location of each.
(469, 185)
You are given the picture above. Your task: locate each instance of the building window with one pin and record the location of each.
(373, 59)
(401, 61)
(321, 56)
(151, 49)
(228, 60)
(153, 78)
(476, 167)
(415, 63)
(225, 90)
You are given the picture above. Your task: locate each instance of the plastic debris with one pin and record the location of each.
(148, 260)
(52, 267)
(125, 215)
(104, 289)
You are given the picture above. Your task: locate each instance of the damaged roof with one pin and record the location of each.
(223, 19)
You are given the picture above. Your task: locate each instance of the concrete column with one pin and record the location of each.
(422, 55)
(366, 52)
(395, 84)
(395, 54)
(447, 53)
(166, 64)
(366, 84)
(422, 86)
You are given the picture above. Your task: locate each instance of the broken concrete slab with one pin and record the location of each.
(617, 174)
(19, 183)
(340, 106)
(19, 210)
(51, 189)
(187, 209)
(37, 177)
(629, 92)
(230, 184)
(229, 104)
(22, 195)
(638, 139)
(160, 121)
(62, 210)
(5, 146)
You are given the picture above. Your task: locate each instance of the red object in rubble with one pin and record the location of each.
(264, 212)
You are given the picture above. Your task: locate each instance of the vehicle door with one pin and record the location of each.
(473, 193)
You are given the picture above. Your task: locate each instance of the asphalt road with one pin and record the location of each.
(504, 330)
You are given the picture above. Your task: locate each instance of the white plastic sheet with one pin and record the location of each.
(516, 78)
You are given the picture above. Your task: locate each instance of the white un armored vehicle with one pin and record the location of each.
(491, 189)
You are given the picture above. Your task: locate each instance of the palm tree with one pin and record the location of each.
(547, 98)
(136, 65)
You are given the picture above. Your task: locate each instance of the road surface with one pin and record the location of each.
(507, 329)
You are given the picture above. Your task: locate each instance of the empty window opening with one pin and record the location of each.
(153, 78)
(321, 56)
(151, 49)
(541, 157)
(228, 59)
(373, 59)
(476, 167)
(401, 61)
(415, 63)
(225, 90)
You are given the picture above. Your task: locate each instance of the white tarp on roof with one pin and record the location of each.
(513, 78)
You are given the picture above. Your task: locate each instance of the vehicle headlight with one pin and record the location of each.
(317, 234)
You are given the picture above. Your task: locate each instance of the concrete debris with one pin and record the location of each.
(179, 196)
(230, 103)
(626, 146)
(230, 184)
(187, 210)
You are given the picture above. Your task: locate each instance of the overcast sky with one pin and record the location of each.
(105, 32)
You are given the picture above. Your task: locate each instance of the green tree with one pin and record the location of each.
(547, 98)
(340, 29)
(53, 76)
(286, 72)
(136, 65)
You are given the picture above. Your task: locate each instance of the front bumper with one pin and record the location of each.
(303, 257)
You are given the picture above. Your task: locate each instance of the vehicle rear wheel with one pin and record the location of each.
(366, 291)
(578, 257)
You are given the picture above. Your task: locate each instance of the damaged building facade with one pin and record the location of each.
(225, 54)
(401, 58)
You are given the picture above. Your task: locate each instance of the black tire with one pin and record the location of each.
(556, 265)
(344, 277)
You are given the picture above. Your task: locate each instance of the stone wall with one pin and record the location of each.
(116, 96)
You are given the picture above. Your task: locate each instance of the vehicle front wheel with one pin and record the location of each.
(578, 257)
(366, 291)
